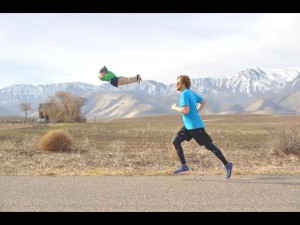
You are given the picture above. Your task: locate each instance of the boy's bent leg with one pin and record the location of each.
(180, 137)
(177, 144)
(202, 138)
(218, 153)
(127, 80)
(210, 146)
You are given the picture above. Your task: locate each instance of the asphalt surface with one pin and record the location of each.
(179, 193)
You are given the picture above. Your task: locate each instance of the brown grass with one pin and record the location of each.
(55, 140)
(143, 146)
(285, 137)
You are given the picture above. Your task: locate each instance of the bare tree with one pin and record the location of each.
(24, 106)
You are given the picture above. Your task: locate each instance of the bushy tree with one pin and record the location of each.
(64, 107)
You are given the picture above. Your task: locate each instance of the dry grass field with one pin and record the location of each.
(143, 146)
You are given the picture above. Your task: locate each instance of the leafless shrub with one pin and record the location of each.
(25, 106)
(53, 141)
(285, 137)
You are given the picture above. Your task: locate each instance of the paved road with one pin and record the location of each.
(149, 193)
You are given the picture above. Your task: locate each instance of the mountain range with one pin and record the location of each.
(253, 90)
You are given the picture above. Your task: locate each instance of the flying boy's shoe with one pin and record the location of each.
(181, 169)
(228, 166)
(139, 78)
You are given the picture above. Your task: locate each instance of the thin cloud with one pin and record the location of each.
(53, 48)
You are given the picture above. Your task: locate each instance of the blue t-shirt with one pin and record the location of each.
(193, 119)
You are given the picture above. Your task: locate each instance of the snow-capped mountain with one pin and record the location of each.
(232, 94)
(28, 92)
(248, 84)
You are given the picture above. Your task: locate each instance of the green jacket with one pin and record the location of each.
(108, 76)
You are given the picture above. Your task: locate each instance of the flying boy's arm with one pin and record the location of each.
(108, 76)
(105, 77)
(100, 76)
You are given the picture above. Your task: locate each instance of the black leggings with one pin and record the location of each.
(201, 137)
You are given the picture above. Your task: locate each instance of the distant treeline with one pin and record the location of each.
(16, 119)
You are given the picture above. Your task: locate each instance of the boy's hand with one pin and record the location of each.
(174, 106)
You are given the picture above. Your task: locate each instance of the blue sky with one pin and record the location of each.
(44, 48)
